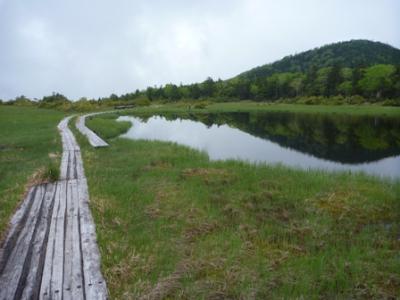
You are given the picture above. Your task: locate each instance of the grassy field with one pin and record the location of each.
(173, 224)
(28, 136)
(249, 106)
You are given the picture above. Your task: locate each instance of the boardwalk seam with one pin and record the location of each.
(80, 249)
(36, 294)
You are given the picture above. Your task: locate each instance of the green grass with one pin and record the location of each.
(107, 126)
(172, 223)
(27, 137)
(249, 106)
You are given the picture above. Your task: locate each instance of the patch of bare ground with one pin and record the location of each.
(210, 175)
(213, 280)
(127, 272)
(164, 204)
(347, 203)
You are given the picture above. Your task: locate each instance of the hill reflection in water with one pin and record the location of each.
(307, 141)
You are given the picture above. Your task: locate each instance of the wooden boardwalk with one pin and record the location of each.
(93, 138)
(50, 251)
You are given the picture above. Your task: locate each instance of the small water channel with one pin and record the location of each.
(350, 143)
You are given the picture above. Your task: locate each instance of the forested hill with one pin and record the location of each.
(351, 54)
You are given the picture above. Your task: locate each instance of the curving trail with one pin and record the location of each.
(51, 251)
(93, 138)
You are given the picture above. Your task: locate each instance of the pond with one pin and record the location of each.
(337, 142)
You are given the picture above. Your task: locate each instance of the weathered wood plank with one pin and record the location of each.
(45, 287)
(13, 272)
(78, 290)
(80, 173)
(67, 268)
(95, 286)
(31, 287)
(16, 224)
(64, 165)
(73, 277)
(52, 280)
(56, 287)
(71, 165)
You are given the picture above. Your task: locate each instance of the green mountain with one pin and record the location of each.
(354, 53)
(351, 72)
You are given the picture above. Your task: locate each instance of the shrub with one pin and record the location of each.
(336, 100)
(142, 101)
(312, 100)
(391, 102)
(201, 105)
(356, 99)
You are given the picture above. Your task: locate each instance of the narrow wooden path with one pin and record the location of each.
(51, 251)
(93, 138)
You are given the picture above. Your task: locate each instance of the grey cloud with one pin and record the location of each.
(95, 48)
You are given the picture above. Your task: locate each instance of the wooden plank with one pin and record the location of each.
(13, 271)
(78, 291)
(71, 165)
(68, 137)
(45, 287)
(80, 173)
(31, 286)
(95, 286)
(64, 165)
(76, 164)
(58, 255)
(52, 279)
(73, 277)
(74, 145)
(67, 268)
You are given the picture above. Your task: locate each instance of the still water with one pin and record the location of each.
(367, 144)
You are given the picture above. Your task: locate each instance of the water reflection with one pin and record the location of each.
(319, 142)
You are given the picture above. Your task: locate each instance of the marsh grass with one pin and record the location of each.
(27, 136)
(106, 125)
(52, 172)
(173, 224)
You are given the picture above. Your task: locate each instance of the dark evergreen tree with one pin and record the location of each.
(208, 87)
(333, 80)
(355, 78)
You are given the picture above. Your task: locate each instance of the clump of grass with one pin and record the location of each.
(51, 172)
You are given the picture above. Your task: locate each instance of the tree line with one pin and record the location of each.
(371, 84)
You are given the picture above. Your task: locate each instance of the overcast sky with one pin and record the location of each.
(94, 48)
